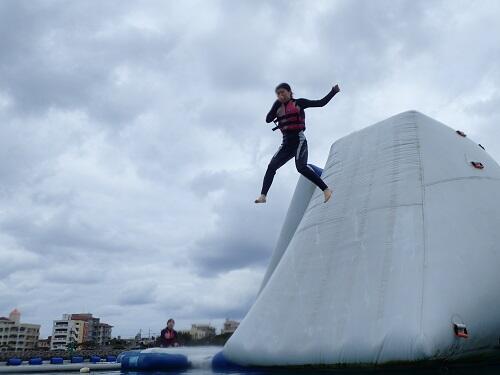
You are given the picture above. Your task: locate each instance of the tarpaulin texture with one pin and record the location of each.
(407, 246)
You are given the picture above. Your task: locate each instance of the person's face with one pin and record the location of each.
(171, 324)
(283, 95)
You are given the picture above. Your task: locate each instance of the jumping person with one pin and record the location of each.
(290, 116)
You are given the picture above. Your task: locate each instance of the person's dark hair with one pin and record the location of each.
(283, 85)
(170, 320)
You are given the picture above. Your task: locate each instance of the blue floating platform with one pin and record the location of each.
(157, 359)
(14, 362)
(36, 361)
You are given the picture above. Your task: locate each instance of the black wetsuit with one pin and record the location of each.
(294, 145)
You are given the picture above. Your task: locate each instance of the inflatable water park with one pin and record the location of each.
(401, 266)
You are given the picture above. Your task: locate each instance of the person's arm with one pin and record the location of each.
(272, 113)
(162, 337)
(306, 103)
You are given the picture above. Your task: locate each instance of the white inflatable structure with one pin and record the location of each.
(403, 264)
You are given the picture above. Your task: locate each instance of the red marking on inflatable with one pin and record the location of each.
(460, 330)
(477, 164)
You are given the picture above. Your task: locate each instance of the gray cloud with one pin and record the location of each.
(133, 141)
(138, 295)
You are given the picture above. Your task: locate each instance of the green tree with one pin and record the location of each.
(71, 347)
(88, 345)
(117, 343)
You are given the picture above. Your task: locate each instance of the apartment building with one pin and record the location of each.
(104, 333)
(79, 328)
(66, 331)
(17, 336)
(230, 326)
(200, 331)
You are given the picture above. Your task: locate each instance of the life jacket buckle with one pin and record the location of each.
(460, 330)
(477, 164)
(277, 125)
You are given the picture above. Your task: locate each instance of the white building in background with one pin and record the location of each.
(18, 336)
(79, 328)
(97, 331)
(230, 326)
(63, 333)
(200, 331)
(66, 331)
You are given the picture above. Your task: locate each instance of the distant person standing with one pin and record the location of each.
(168, 335)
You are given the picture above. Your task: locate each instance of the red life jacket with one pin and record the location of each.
(290, 117)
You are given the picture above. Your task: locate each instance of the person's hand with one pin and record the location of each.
(336, 88)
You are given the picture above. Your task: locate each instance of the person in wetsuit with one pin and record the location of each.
(289, 114)
(168, 335)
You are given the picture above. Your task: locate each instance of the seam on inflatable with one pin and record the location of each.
(400, 151)
(393, 206)
(388, 240)
(424, 232)
(347, 203)
(364, 210)
(462, 178)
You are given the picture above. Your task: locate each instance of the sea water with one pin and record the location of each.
(458, 370)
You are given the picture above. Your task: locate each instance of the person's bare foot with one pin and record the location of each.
(261, 199)
(328, 194)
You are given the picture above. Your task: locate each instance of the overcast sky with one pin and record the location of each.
(133, 140)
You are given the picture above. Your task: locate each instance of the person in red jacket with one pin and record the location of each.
(289, 115)
(168, 335)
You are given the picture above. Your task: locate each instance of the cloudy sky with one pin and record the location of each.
(133, 141)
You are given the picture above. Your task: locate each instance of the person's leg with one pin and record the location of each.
(304, 169)
(284, 153)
